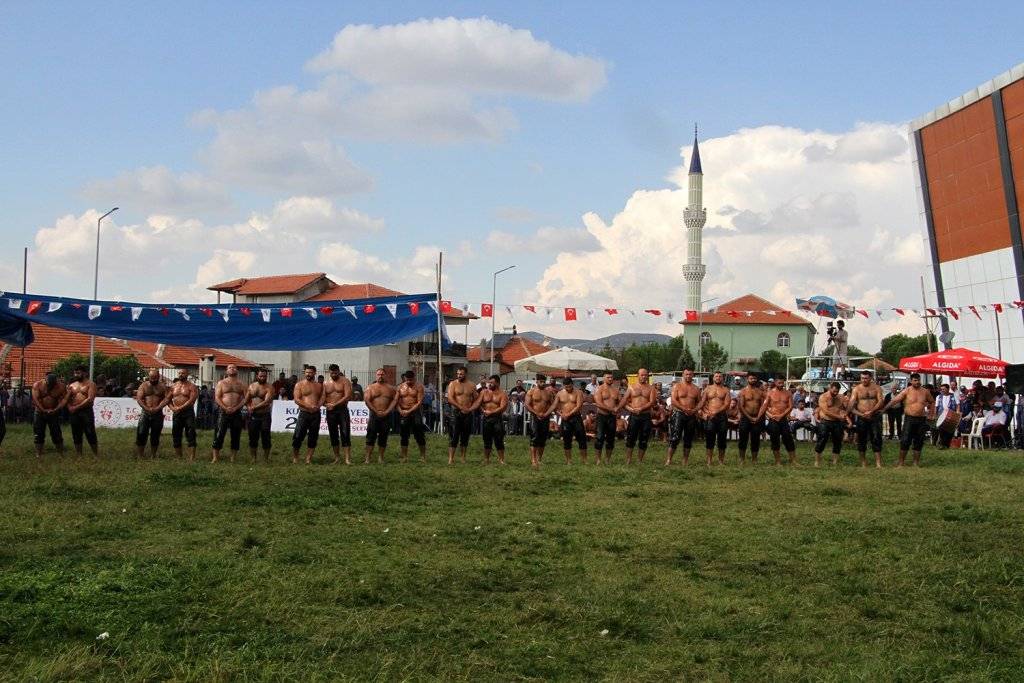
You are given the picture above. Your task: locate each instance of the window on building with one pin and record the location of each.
(705, 337)
(782, 340)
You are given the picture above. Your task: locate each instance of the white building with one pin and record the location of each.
(419, 354)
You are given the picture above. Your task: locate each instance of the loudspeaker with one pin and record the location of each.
(1015, 378)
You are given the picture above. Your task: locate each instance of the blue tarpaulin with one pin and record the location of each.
(298, 326)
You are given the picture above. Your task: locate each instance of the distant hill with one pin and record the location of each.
(616, 341)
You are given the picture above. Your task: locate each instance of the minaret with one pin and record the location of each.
(694, 218)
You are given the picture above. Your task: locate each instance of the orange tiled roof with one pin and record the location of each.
(191, 355)
(751, 302)
(516, 348)
(272, 284)
(366, 290)
(52, 343)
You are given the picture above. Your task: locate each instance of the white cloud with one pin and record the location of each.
(782, 225)
(545, 240)
(312, 217)
(265, 158)
(477, 55)
(157, 188)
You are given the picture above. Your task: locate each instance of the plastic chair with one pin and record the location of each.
(975, 434)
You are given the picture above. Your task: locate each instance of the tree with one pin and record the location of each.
(773, 362)
(123, 370)
(713, 357)
(686, 359)
(898, 346)
(852, 351)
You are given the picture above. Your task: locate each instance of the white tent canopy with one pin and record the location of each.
(565, 359)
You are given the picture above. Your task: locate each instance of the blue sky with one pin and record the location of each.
(94, 91)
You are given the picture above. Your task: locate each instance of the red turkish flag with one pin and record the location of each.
(899, 310)
(414, 308)
(369, 308)
(998, 307)
(570, 314)
(862, 312)
(246, 310)
(486, 310)
(652, 311)
(733, 314)
(531, 309)
(208, 312)
(286, 312)
(116, 309)
(164, 311)
(611, 311)
(974, 310)
(692, 316)
(33, 307)
(952, 312)
(446, 306)
(327, 310)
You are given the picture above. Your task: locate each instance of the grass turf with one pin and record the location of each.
(279, 572)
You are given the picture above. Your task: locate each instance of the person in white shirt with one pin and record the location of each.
(944, 403)
(801, 417)
(592, 386)
(995, 422)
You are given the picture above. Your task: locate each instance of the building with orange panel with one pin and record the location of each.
(969, 167)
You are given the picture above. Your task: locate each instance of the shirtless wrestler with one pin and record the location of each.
(183, 414)
(410, 415)
(463, 400)
(866, 401)
(81, 394)
(832, 423)
(606, 398)
(778, 403)
(337, 394)
(918, 407)
(151, 396)
(493, 404)
(381, 399)
(714, 402)
(540, 403)
(683, 423)
(259, 399)
(308, 396)
(569, 404)
(638, 401)
(750, 400)
(49, 396)
(229, 396)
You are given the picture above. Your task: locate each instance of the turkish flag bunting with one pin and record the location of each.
(998, 307)
(611, 311)
(531, 309)
(899, 310)
(486, 310)
(246, 310)
(1019, 304)
(783, 312)
(652, 311)
(164, 311)
(733, 314)
(327, 310)
(33, 307)
(446, 306)
(369, 308)
(692, 316)
(286, 312)
(974, 310)
(570, 314)
(931, 311)
(952, 312)
(208, 312)
(414, 308)
(862, 312)
(72, 306)
(117, 309)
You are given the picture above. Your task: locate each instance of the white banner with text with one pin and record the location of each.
(285, 413)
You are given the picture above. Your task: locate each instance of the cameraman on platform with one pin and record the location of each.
(839, 338)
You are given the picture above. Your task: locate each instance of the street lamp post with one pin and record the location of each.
(494, 293)
(700, 332)
(95, 288)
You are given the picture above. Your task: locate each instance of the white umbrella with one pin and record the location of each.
(567, 359)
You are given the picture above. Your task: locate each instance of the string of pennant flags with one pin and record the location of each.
(574, 313)
(486, 310)
(94, 311)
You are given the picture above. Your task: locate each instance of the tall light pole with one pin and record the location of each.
(494, 293)
(700, 332)
(95, 288)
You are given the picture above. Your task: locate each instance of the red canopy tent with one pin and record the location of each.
(957, 362)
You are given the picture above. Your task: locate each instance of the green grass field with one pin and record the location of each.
(282, 572)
